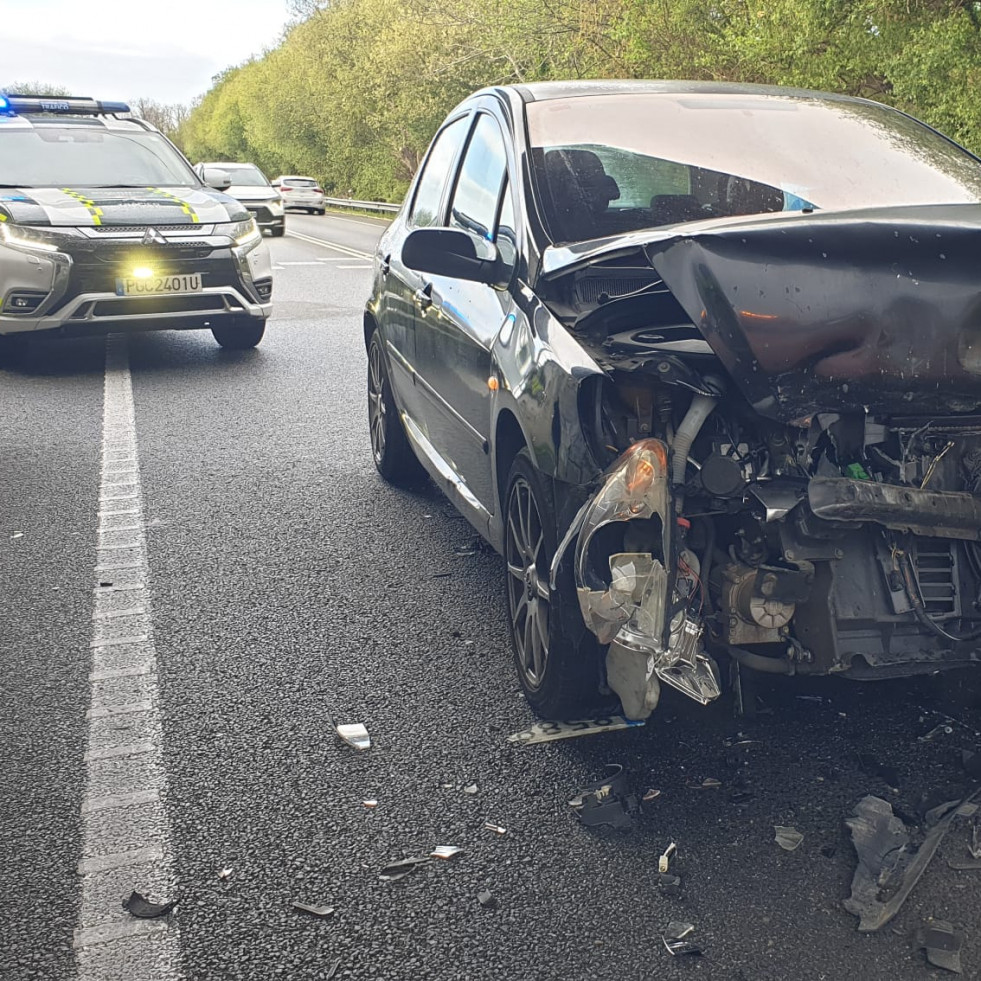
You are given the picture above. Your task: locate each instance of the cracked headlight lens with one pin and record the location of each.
(623, 590)
(244, 234)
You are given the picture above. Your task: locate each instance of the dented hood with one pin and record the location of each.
(877, 309)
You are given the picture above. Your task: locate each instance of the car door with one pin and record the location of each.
(400, 289)
(459, 320)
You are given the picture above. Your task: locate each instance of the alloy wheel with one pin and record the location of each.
(377, 411)
(528, 573)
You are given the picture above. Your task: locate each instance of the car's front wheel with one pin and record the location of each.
(556, 660)
(239, 335)
(390, 447)
(278, 231)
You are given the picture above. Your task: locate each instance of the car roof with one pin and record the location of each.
(114, 123)
(546, 91)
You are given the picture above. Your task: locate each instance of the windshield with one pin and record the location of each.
(244, 176)
(612, 164)
(89, 156)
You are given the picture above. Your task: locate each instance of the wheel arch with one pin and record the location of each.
(370, 326)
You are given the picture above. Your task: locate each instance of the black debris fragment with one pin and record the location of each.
(942, 944)
(399, 870)
(142, 908)
(486, 899)
(607, 801)
(669, 884)
(888, 868)
(333, 969)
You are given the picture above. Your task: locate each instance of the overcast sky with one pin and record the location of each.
(126, 49)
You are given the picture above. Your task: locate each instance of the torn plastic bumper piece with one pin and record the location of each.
(628, 608)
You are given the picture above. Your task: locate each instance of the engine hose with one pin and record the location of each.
(759, 662)
(699, 410)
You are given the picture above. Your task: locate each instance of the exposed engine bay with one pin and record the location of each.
(799, 491)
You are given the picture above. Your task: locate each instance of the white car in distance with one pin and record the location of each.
(301, 194)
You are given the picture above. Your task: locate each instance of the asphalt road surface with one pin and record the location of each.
(286, 584)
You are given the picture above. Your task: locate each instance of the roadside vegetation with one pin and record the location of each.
(354, 91)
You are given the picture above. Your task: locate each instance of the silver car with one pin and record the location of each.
(301, 194)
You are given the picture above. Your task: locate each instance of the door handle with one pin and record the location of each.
(386, 265)
(424, 297)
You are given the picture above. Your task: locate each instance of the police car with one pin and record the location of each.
(104, 226)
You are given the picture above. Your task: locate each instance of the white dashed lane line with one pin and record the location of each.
(126, 831)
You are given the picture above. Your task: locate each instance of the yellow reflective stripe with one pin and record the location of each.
(90, 205)
(3, 217)
(185, 207)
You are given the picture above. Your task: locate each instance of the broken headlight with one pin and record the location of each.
(636, 607)
(629, 604)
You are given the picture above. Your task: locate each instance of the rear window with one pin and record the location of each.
(298, 182)
(67, 155)
(244, 176)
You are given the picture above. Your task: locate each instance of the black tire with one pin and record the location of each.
(555, 656)
(390, 447)
(321, 212)
(278, 231)
(239, 335)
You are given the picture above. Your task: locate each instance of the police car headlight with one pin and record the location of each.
(29, 238)
(244, 234)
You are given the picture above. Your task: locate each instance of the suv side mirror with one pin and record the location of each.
(454, 253)
(218, 179)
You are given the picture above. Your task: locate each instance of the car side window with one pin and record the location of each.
(436, 172)
(478, 189)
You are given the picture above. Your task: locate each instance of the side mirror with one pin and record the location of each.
(213, 177)
(454, 253)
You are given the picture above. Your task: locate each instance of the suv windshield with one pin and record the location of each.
(244, 176)
(618, 163)
(73, 155)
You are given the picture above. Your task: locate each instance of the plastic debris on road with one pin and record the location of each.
(445, 851)
(333, 969)
(16, 535)
(142, 908)
(546, 732)
(941, 730)
(354, 734)
(668, 884)
(887, 867)
(665, 860)
(606, 801)
(942, 944)
(471, 788)
(789, 839)
(496, 828)
(370, 804)
(399, 870)
(486, 899)
(224, 874)
(322, 911)
(674, 938)
(651, 794)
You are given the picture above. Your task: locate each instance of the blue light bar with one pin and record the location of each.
(4, 104)
(60, 104)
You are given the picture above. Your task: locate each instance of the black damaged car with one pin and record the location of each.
(703, 362)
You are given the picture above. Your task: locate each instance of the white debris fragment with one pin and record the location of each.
(354, 734)
(444, 851)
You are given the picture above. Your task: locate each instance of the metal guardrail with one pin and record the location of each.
(362, 205)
